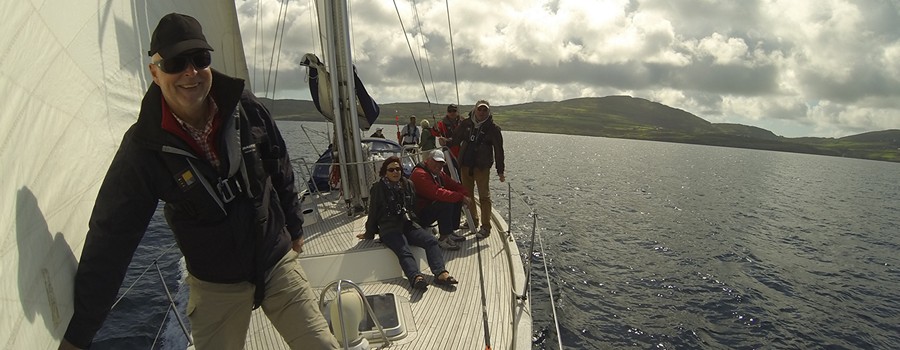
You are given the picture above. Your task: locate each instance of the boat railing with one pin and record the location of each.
(532, 253)
(171, 307)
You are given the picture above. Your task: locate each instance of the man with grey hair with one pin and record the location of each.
(205, 146)
(439, 198)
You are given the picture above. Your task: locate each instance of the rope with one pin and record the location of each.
(155, 261)
(550, 289)
(280, 43)
(277, 41)
(162, 281)
(408, 44)
(484, 316)
(452, 52)
(427, 58)
(543, 255)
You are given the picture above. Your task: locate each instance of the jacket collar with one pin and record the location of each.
(225, 90)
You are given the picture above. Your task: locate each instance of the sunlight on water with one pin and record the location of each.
(659, 245)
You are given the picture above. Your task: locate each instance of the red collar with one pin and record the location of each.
(170, 124)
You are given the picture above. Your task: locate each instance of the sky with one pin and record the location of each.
(825, 68)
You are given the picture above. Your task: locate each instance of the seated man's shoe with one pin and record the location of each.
(457, 236)
(448, 244)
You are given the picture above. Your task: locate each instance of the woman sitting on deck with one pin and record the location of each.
(390, 215)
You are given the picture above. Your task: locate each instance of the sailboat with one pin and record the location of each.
(72, 78)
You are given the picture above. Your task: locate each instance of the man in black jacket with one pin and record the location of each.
(207, 148)
(481, 146)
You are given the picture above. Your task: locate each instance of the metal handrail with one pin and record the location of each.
(171, 305)
(369, 310)
(527, 286)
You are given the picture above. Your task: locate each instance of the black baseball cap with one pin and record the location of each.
(176, 34)
(451, 108)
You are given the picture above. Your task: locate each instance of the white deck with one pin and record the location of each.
(439, 318)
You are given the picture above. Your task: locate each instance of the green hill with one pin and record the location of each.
(631, 118)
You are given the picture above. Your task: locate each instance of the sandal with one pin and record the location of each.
(420, 283)
(446, 281)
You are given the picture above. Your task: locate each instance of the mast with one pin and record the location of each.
(338, 56)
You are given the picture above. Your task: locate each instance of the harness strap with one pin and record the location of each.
(253, 172)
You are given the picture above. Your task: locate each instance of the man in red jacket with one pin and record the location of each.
(439, 198)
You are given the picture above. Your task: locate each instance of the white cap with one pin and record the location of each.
(437, 155)
(379, 129)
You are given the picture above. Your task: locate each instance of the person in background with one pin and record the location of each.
(439, 198)
(409, 135)
(445, 129)
(392, 216)
(481, 145)
(237, 222)
(379, 133)
(428, 137)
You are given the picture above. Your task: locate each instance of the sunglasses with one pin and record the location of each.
(394, 169)
(199, 59)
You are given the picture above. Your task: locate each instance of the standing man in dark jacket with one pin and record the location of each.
(481, 145)
(213, 154)
(447, 126)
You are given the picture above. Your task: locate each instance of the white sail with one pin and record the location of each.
(72, 75)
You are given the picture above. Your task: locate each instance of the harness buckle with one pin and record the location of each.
(228, 189)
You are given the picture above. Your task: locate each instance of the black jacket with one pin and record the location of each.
(222, 242)
(390, 213)
(479, 147)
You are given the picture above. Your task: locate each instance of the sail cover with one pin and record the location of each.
(320, 89)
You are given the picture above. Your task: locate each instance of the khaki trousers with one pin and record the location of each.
(220, 313)
(479, 177)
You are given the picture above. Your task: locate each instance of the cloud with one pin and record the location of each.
(802, 67)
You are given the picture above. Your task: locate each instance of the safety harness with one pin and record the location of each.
(248, 175)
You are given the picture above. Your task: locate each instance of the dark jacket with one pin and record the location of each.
(479, 147)
(446, 127)
(389, 213)
(222, 242)
(428, 141)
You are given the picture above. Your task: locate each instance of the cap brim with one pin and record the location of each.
(184, 46)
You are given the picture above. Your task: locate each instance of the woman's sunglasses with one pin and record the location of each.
(199, 59)
(394, 169)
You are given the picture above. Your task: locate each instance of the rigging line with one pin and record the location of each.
(550, 289)
(544, 261)
(452, 51)
(278, 60)
(419, 73)
(258, 37)
(313, 22)
(278, 24)
(427, 58)
(142, 275)
(484, 316)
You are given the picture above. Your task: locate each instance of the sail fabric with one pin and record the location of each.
(72, 78)
(320, 89)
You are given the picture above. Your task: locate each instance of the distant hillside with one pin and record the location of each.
(632, 118)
